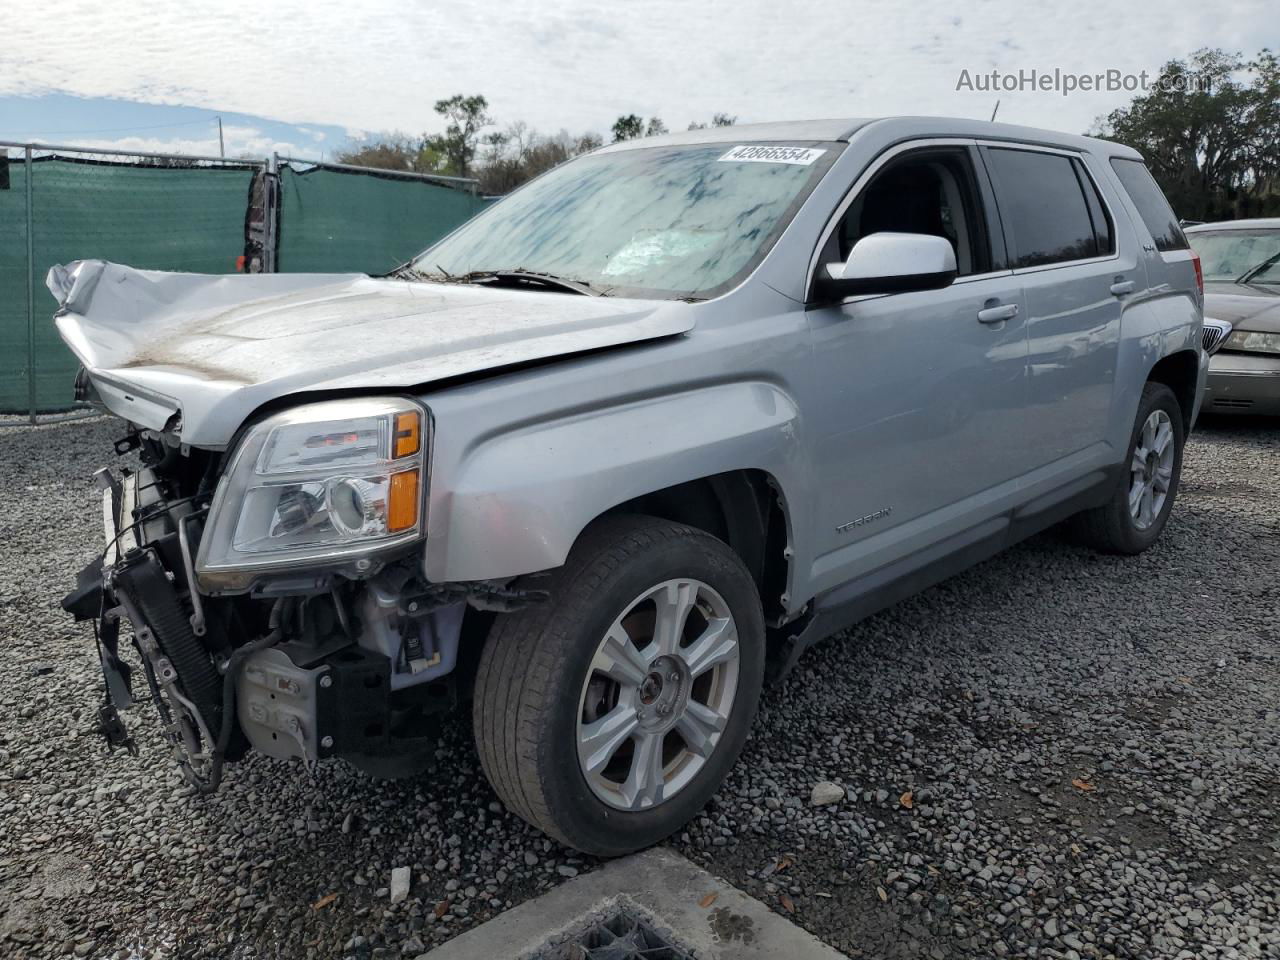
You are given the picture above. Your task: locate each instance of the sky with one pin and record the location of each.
(304, 78)
(59, 118)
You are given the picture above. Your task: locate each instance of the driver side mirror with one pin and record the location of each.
(889, 263)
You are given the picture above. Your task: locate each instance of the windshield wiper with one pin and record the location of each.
(532, 276)
(441, 275)
(1252, 272)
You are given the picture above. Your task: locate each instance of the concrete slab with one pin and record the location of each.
(661, 884)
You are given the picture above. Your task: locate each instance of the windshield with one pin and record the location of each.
(1233, 255)
(680, 221)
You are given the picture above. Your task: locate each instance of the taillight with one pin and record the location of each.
(1195, 259)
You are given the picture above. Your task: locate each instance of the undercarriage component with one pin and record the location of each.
(141, 580)
(276, 704)
(296, 700)
(183, 679)
(493, 596)
(421, 644)
(111, 728)
(351, 671)
(141, 577)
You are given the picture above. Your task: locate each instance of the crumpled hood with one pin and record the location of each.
(1244, 307)
(212, 349)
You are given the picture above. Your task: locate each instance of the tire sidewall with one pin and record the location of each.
(604, 828)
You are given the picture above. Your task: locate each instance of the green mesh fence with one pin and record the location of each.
(191, 216)
(345, 221)
(13, 285)
(187, 218)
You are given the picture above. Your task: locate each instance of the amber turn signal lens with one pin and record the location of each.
(402, 504)
(408, 436)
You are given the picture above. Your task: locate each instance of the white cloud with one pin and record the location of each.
(240, 142)
(380, 64)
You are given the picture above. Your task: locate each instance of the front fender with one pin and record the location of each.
(514, 502)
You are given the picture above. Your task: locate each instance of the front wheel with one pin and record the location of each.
(1138, 510)
(608, 716)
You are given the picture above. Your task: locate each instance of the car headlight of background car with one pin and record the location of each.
(322, 484)
(1253, 342)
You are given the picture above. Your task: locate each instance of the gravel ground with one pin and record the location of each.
(1054, 755)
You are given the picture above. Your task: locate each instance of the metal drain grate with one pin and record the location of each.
(621, 935)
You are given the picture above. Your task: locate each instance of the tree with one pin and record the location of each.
(632, 127)
(397, 152)
(588, 142)
(467, 116)
(717, 120)
(394, 153)
(629, 127)
(518, 154)
(496, 145)
(500, 159)
(1208, 130)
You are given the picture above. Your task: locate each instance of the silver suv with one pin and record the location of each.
(609, 457)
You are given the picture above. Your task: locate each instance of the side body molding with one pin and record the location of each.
(513, 502)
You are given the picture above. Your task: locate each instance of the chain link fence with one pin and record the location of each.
(188, 214)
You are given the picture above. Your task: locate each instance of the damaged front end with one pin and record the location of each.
(275, 596)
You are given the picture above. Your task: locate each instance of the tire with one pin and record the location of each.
(1113, 527)
(540, 684)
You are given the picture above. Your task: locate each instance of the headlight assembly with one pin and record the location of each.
(1250, 342)
(321, 485)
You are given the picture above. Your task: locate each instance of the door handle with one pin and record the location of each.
(1121, 287)
(995, 314)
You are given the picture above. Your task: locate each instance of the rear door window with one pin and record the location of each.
(1043, 207)
(1152, 206)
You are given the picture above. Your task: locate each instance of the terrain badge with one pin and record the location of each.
(864, 520)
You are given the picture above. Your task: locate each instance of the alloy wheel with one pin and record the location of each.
(658, 694)
(1151, 469)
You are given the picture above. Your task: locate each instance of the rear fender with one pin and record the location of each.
(1152, 330)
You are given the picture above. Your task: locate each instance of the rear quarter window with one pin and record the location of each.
(1153, 208)
(1103, 230)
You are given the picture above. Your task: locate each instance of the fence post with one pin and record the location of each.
(31, 296)
(271, 215)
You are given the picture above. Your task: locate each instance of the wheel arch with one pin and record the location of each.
(744, 508)
(1160, 343)
(1180, 372)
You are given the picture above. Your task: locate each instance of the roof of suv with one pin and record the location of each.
(890, 127)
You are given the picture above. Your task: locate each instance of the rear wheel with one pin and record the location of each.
(608, 716)
(1136, 514)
